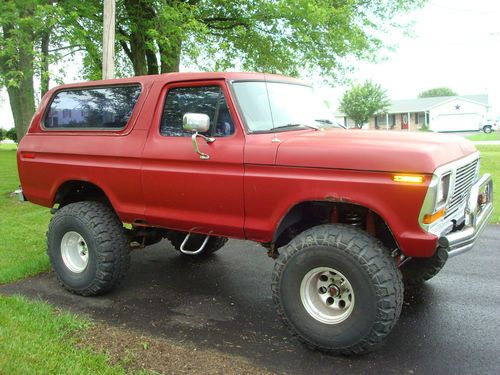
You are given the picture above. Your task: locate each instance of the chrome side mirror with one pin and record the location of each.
(197, 122)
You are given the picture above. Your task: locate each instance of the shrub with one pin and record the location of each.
(11, 134)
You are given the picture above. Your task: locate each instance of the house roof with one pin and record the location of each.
(424, 104)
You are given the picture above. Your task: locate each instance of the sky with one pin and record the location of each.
(454, 43)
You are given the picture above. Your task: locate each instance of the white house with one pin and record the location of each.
(458, 113)
(439, 114)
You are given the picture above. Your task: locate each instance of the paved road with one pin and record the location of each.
(451, 325)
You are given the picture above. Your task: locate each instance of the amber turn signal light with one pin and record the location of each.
(430, 218)
(414, 179)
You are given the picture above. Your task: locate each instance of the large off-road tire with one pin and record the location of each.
(418, 270)
(88, 248)
(195, 241)
(337, 289)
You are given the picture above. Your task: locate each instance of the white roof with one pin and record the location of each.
(425, 104)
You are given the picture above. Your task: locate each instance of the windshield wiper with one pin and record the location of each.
(291, 126)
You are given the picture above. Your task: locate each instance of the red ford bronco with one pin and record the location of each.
(351, 217)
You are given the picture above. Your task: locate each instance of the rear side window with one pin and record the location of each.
(92, 108)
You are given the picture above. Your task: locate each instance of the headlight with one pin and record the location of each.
(436, 199)
(446, 181)
(442, 192)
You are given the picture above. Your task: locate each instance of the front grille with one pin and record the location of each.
(465, 178)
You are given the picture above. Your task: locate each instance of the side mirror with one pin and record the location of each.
(196, 122)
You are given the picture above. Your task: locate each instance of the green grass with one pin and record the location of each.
(490, 163)
(37, 338)
(495, 136)
(22, 226)
(34, 337)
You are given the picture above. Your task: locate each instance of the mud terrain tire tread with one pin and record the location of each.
(419, 270)
(372, 257)
(107, 242)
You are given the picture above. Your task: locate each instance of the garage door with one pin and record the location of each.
(456, 122)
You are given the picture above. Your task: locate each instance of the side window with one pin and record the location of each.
(92, 108)
(208, 100)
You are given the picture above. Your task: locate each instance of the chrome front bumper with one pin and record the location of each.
(478, 213)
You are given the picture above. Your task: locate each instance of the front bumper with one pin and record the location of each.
(478, 213)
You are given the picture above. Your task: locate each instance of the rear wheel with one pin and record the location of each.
(487, 129)
(88, 248)
(195, 241)
(337, 289)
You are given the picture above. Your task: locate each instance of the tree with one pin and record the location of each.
(33, 34)
(361, 102)
(154, 36)
(281, 36)
(11, 134)
(2, 134)
(16, 60)
(438, 91)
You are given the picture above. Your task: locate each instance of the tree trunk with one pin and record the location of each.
(152, 61)
(138, 54)
(171, 58)
(22, 94)
(15, 106)
(44, 66)
(140, 51)
(25, 95)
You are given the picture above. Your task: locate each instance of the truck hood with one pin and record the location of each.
(372, 150)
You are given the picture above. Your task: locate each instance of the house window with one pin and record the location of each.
(381, 120)
(421, 118)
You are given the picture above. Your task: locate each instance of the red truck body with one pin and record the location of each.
(353, 217)
(250, 182)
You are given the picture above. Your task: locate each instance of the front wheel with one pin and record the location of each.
(337, 289)
(487, 129)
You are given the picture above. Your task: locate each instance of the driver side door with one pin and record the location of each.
(183, 191)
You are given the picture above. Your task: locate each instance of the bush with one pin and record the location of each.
(11, 134)
(3, 133)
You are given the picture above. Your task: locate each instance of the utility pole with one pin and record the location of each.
(108, 45)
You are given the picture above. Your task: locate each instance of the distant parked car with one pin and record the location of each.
(489, 125)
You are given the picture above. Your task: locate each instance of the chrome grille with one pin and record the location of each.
(464, 179)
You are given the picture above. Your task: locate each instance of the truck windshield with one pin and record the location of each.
(275, 107)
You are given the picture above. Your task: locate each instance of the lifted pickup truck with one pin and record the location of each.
(351, 216)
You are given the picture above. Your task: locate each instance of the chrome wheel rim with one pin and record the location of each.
(74, 252)
(327, 295)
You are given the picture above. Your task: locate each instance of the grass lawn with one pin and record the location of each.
(490, 163)
(22, 230)
(495, 136)
(37, 338)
